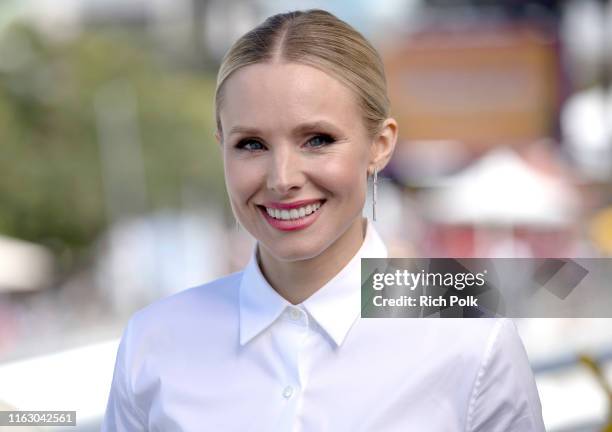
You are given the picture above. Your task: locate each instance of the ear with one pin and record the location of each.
(383, 145)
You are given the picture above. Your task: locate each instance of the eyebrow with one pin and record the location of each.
(298, 130)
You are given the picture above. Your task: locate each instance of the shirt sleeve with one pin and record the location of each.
(122, 414)
(505, 397)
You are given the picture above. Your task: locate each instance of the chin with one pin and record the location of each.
(295, 252)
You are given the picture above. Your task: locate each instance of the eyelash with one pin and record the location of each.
(241, 145)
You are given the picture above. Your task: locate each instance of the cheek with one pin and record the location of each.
(242, 178)
(344, 176)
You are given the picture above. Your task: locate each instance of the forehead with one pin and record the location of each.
(277, 96)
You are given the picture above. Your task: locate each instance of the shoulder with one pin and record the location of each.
(466, 344)
(185, 308)
(461, 344)
(480, 341)
(483, 335)
(468, 337)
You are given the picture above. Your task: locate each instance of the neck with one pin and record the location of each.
(298, 280)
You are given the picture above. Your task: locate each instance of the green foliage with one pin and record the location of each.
(51, 184)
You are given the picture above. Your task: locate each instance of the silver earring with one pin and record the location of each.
(237, 225)
(374, 185)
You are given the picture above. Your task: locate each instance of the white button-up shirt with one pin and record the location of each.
(233, 355)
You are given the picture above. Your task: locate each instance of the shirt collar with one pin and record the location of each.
(335, 306)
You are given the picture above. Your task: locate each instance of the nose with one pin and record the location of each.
(285, 172)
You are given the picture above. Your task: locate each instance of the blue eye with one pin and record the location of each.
(253, 145)
(249, 145)
(322, 140)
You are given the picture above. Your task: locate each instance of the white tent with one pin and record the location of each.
(502, 189)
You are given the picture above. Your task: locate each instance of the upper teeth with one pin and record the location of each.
(295, 213)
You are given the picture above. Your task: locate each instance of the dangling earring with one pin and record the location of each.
(374, 185)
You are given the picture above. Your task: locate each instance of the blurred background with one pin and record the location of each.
(112, 191)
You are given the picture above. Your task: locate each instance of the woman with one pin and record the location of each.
(303, 119)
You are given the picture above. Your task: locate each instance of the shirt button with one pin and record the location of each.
(287, 392)
(294, 314)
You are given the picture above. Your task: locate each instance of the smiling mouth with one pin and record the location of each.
(293, 214)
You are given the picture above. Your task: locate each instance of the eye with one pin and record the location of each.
(249, 144)
(320, 140)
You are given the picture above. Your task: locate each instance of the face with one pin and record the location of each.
(296, 155)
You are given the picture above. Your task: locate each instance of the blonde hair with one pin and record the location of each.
(315, 38)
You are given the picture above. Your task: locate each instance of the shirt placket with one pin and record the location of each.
(290, 342)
